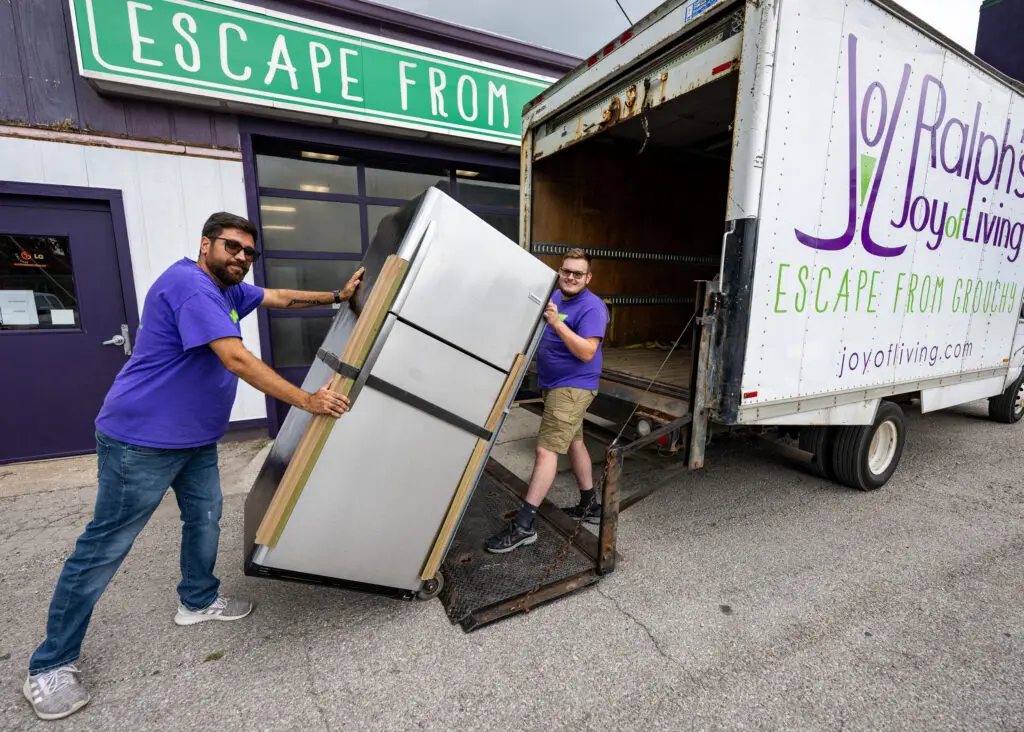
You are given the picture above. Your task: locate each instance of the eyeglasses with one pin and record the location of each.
(233, 247)
(567, 273)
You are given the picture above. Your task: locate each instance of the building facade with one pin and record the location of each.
(124, 124)
(1000, 25)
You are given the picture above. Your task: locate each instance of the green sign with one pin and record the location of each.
(242, 53)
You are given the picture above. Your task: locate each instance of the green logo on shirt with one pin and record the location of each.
(234, 316)
(563, 316)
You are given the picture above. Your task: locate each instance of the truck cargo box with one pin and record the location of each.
(800, 211)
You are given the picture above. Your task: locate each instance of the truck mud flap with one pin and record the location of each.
(481, 588)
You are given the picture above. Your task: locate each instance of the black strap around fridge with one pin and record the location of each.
(351, 372)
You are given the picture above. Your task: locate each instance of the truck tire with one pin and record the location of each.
(1008, 407)
(818, 441)
(865, 457)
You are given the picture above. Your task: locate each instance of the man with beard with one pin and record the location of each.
(569, 370)
(158, 428)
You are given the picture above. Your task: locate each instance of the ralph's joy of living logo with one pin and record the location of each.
(964, 150)
(959, 193)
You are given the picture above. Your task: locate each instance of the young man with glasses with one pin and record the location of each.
(569, 370)
(158, 428)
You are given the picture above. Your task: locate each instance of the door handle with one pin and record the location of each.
(121, 340)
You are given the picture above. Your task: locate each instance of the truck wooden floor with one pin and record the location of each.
(639, 366)
(630, 377)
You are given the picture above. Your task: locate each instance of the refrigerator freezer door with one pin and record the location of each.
(474, 287)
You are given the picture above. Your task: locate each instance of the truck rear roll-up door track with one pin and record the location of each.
(351, 372)
(557, 250)
(622, 301)
(700, 60)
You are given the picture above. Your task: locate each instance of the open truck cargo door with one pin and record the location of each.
(648, 157)
(674, 52)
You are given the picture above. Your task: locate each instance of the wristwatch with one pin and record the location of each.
(337, 296)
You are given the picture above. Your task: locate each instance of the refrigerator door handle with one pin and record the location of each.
(371, 357)
(417, 264)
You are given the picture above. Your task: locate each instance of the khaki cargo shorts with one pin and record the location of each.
(562, 423)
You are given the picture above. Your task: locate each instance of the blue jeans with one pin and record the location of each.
(132, 482)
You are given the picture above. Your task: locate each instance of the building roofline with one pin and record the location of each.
(490, 42)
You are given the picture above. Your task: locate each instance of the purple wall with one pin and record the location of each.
(999, 36)
(39, 83)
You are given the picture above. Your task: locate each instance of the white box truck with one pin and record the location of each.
(868, 175)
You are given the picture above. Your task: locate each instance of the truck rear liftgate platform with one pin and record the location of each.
(481, 588)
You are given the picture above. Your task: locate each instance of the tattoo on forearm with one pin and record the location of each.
(304, 302)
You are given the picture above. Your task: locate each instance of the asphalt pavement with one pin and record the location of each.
(749, 596)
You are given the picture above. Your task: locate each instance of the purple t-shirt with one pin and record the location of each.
(174, 392)
(587, 316)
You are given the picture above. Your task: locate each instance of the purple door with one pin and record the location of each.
(65, 329)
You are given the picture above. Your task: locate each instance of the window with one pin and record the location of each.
(37, 287)
(403, 185)
(317, 275)
(376, 214)
(296, 340)
(297, 225)
(320, 209)
(474, 192)
(494, 197)
(306, 176)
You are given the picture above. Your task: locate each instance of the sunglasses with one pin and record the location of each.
(233, 247)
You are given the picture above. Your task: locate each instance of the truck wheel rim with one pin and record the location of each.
(1018, 405)
(883, 447)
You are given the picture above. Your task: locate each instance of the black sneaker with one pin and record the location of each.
(590, 512)
(513, 537)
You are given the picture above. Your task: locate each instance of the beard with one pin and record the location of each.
(569, 293)
(229, 274)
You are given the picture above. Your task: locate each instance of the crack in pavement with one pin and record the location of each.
(657, 645)
(65, 521)
(310, 688)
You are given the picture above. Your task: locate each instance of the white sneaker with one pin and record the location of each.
(223, 608)
(56, 694)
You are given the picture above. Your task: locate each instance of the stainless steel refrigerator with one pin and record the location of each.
(372, 509)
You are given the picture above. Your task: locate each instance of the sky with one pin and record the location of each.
(580, 27)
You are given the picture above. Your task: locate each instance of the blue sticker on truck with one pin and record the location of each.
(698, 8)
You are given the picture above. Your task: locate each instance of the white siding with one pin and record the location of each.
(166, 200)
